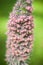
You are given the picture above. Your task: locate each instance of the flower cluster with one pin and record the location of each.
(20, 33)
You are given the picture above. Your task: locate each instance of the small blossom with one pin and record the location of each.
(29, 8)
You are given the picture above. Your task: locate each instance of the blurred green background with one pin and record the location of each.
(5, 9)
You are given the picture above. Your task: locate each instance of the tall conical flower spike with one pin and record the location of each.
(20, 33)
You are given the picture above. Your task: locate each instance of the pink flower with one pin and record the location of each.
(25, 19)
(30, 18)
(29, 8)
(28, 1)
(22, 16)
(29, 22)
(31, 46)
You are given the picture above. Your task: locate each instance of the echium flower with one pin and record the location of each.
(20, 33)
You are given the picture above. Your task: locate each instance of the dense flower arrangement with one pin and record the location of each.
(20, 33)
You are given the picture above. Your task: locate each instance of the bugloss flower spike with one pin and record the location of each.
(20, 33)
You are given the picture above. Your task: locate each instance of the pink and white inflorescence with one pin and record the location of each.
(20, 33)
